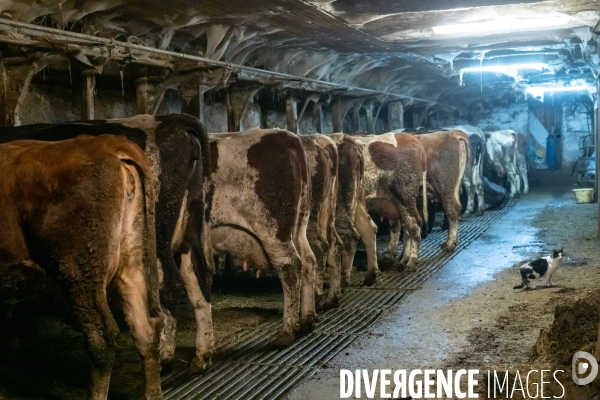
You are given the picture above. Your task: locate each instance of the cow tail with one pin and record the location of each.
(130, 153)
(137, 158)
(468, 149)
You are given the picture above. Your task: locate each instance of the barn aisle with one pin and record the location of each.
(468, 316)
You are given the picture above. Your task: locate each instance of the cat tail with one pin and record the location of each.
(522, 285)
(524, 280)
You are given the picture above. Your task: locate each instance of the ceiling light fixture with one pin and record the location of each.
(539, 91)
(503, 24)
(510, 70)
(505, 68)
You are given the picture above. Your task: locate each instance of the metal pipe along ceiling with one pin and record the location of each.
(252, 72)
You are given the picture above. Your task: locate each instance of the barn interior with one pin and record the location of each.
(353, 66)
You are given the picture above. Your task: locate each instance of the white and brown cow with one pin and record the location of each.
(395, 170)
(352, 220)
(501, 157)
(260, 214)
(322, 162)
(472, 179)
(447, 154)
(81, 211)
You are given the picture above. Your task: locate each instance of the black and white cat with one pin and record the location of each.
(542, 267)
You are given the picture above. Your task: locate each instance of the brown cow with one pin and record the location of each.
(260, 214)
(177, 146)
(82, 212)
(322, 161)
(395, 172)
(447, 156)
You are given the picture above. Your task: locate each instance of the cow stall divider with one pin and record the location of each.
(250, 368)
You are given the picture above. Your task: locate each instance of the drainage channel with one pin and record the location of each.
(251, 368)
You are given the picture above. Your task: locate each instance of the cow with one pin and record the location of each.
(322, 162)
(260, 215)
(81, 211)
(472, 179)
(501, 157)
(496, 196)
(177, 147)
(352, 220)
(447, 154)
(395, 172)
(522, 162)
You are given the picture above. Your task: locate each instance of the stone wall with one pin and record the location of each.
(576, 123)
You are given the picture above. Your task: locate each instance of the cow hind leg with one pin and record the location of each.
(205, 343)
(100, 331)
(480, 198)
(452, 210)
(367, 230)
(411, 224)
(347, 248)
(389, 256)
(308, 314)
(288, 264)
(334, 264)
(145, 328)
(319, 247)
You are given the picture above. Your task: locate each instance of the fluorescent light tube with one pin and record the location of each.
(504, 68)
(503, 24)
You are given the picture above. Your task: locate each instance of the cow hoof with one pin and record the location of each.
(345, 282)
(308, 323)
(284, 340)
(319, 302)
(411, 266)
(385, 262)
(331, 303)
(370, 278)
(448, 247)
(201, 363)
(479, 213)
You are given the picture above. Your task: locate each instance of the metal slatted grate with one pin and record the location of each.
(250, 368)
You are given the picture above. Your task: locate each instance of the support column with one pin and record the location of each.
(88, 87)
(291, 114)
(356, 120)
(195, 105)
(149, 94)
(318, 117)
(395, 115)
(238, 99)
(233, 123)
(339, 108)
(370, 121)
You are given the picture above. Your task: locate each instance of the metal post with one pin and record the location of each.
(195, 106)
(318, 116)
(395, 115)
(291, 112)
(370, 121)
(356, 119)
(87, 94)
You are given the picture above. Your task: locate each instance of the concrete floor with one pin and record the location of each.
(433, 324)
